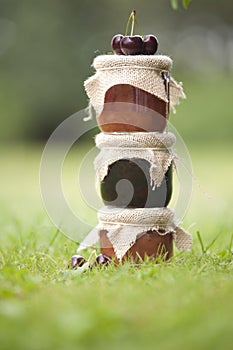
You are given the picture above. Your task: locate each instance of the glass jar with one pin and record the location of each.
(137, 191)
(130, 109)
(151, 244)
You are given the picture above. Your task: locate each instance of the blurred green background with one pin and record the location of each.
(47, 47)
(46, 51)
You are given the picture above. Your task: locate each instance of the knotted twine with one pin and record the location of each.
(154, 147)
(125, 226)
(141, 71)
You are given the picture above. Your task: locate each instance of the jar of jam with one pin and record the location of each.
(131, 109)
(151, 244)
(137, 191)
(131, 93)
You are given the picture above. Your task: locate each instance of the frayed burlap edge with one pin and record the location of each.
(154, 147)
(144, 72)
(124, 226)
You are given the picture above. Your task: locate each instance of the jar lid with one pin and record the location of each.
(141, 71)
(154, 62)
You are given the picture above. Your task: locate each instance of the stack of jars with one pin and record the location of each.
(132, 96)
(128, 109)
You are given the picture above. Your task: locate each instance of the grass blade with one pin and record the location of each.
(201, 242)
(231, 244)
(212, 243)
(53, 239)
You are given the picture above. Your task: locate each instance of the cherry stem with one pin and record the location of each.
(131, 18)
(139, 28)
(133, 22)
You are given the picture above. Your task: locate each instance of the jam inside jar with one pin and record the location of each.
(131, 109)
(135, 191)
(150, 245)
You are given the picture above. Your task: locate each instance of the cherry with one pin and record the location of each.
(116, 44)
(77, 261)
(131, 45)
(102, 259)
(150, 45)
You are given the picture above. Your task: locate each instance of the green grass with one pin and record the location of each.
(186, 303)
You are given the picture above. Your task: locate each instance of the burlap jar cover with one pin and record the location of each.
(154, 147)
(141, 71)
(125, 226)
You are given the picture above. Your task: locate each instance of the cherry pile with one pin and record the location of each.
(134, 44)
(79, 261)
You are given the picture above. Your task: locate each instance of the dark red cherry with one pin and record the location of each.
(131, 45)
(102, 259)
(150, 45)
(77, 261)
(116, 44)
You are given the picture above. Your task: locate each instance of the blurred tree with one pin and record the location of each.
(175, 3)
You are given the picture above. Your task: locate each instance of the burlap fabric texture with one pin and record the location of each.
(141, 71)
(154, 147)
(125, 226)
